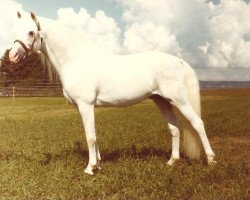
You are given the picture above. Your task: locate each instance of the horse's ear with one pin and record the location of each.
(33, 16)
(18, 14)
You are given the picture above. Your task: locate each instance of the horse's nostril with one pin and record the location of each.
(16, 54)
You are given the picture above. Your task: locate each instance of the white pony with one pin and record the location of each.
(91, 77)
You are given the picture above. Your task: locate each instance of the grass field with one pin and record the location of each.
(43, 152)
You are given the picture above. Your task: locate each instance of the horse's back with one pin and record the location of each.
(126, 79)
(135, 77)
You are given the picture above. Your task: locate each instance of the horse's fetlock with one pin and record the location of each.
(93, 164)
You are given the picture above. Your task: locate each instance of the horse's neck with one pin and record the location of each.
(58, 43)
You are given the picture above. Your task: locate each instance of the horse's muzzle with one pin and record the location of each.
(14, 57)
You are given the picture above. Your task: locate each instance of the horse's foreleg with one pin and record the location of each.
(87, 114)
(166, 110)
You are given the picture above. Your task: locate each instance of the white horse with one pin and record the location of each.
(91, 77)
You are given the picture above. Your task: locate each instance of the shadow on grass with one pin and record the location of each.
(109, 156)
(136, 153)
(133, 152)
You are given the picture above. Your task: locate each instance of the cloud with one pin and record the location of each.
(8, 10)
(100, 29)
(183, 23)
(148, 36)
(229, 31)
(204, 34)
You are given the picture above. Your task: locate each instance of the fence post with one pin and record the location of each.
(13, 94)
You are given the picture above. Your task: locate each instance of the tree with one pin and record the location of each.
(28, 71)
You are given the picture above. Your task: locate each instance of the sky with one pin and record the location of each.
(212, 36)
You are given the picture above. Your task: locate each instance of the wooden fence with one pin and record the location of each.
(31, 91)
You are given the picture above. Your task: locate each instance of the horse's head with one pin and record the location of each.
(29, 37)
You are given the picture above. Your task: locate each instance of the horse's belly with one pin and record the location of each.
(119, 101)
(123, 96)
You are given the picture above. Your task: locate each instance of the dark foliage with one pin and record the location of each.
(27, 70)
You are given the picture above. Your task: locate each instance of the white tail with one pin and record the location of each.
(191, 140)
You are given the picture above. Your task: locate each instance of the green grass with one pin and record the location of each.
(43, 151)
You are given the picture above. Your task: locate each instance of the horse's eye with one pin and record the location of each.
(31, 33)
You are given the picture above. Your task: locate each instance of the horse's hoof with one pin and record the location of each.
(88, 171)
(212, 162)
(172, 161)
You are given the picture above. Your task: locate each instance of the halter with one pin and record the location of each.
(29, 49)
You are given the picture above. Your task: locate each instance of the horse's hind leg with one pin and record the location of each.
(166, 110)
(188, 112)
